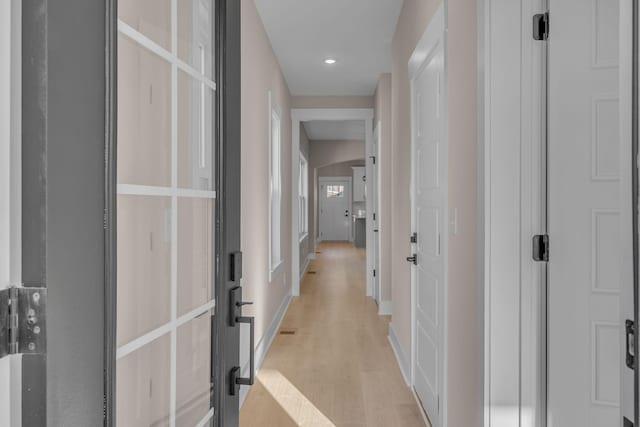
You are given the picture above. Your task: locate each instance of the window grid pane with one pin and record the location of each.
(165, 165)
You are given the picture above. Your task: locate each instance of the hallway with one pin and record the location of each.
(338, 367)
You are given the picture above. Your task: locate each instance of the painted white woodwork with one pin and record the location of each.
(627, 398)
(301, 115)
(334, 195)
(584, 215)
(359, 184)
(374, 216)
(429, 217)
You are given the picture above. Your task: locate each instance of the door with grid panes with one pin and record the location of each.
(168, 180)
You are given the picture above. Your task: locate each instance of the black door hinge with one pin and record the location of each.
(630, 334)
(541, 26)
(23, 321)
(374, 272)
(414, 238)
(541, 248)
(373, 158)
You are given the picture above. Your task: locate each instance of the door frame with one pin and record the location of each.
(437, 28)
(505, 43)
(375, 157)
(515, 23)
(349, 181)
(225, 337)
(299, 115)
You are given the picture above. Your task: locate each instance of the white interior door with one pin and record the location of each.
(375, 198)
(335, 210)
(429, 178)
(584, 345)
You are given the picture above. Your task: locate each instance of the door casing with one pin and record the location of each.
(436, 30)
(348, 181)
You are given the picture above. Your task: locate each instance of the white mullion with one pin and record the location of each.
(174, 207)
(145, 339)
(150, 190)
(154, 47)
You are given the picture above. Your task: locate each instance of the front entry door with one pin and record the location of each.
(177, 208)
(335, 210)
(584, 330)
(429, 201)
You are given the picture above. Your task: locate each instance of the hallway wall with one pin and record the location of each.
(261, 73)
(464, 346)
(382, 114)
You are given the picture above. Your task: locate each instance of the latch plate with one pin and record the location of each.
(23, 321)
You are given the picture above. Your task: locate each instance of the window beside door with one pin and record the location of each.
(303, 197)
(275, 179)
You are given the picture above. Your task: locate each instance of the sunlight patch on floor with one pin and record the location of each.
(297, 406)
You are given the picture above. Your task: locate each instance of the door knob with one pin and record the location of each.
(413, 259)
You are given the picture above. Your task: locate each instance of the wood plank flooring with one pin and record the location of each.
(338, 368)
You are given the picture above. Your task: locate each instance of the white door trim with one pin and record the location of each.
(436, 30)
(510, 131)
(377, 138)
(349, 195)
(299, 115)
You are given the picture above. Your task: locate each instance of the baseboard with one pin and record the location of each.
(400, 356)
(385, 308)
(265, 343)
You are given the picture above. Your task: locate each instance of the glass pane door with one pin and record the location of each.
(165, 212)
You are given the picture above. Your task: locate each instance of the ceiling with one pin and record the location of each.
(357, 33)
(346, 130)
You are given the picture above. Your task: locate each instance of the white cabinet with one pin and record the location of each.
(359, 184)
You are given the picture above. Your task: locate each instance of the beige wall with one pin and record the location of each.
(332, 102)
(464, 348)
(340, 169)
(261, 73)
(382, 117)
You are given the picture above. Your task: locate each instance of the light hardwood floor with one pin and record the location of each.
(338, 368)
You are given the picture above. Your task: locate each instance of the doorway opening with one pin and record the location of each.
(338, 205)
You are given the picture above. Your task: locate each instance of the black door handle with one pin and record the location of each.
(236, 317)
(413, 259)
(235, 372)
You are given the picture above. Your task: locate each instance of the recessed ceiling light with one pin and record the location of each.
(330, 61)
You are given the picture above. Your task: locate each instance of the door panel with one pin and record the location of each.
(429, 207)
(165, 213)
(584, 215)
(335, 210)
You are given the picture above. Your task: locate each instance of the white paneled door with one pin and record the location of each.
(335, 210)
(429, 190)
(584, 345)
